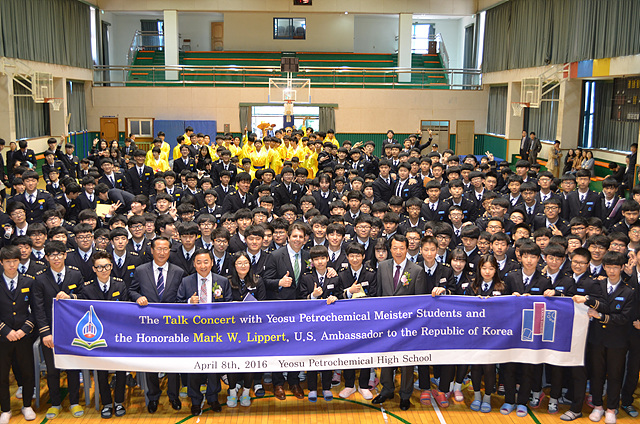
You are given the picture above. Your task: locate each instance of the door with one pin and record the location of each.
(464, 137)
(217, 35)
(109, 128)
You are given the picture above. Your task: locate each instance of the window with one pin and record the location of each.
(303, 116)
(588, 113)
(289, 28)
(32, 119)
(142, 127)
(420, 38)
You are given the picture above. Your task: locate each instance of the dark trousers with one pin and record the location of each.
(510, 376)
(632, 370)
(22, 350)
(153, 386)
(607, 364)
(293, 378)
(536, 383)
(53, 381)
(247, 379)
(213, 388)
(105, 389)
(557, 380)
(388, 383)
(579, 377)
(350, 378)
(487, 371)
(312, 380)
(424, 379)
(449, 373)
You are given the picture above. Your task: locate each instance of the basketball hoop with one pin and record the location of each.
(56, 102)
(517, 107)
(288, 107)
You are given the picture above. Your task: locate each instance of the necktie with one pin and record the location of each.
(399, 191)
(85, 256)
(119, 262)
(433, 207)
(325, 195)
(91, 197)
(105, 289)
(32, 198)
(513, 201)
(113, 181)
(333, 256)
(526, 281)
(355, 277)
(37, 255)
(296, 266)
(243, 199)
(160, 283)
(429, 273)
(396, 277)
(479, 196)
(609, 290)
(218, 261)
(23, 269)
(439, 258)
(59, 280)
(187, 256)
(253, 260)
(608, 205)
(457, 233)
(582, 197)
(530, 210)
(138, 246)
(203, 291)
(321, 281)
(12, 286)
(207, 246)
(225, 189)
(387, 181)
(485, 287)
(140, 172)
(543, 198)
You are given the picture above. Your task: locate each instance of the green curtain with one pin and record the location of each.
(76, 106)
(528, 33)
(327, 117)
(544, 120)
(607, 133)
(497, 109)
(31, 117)
(50, 31)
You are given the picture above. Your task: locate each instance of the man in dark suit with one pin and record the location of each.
(325, 195)
(282, 277)
(224, 164)
(530, 205)
(51, 163)
(57, 282)
(87, 198)
(185, 161)
(69, 199)
(70, 161)
(224, 188)
(80, 258)
(140, 176)
(433, 208)
(185, 253)
(384, 185)
(398, 277)
(109, 288)
(241, 198)
(25, 156)
(129, 147)
(287, 192)
(204, 286)
(18, 323)
(582, 202)
(35, 200)
(525, 146)
(405, 187)
(113, 179)
(120, 199)
(550, 218)
(610, 203)
(158, 282)
(630, 212)
(124, 262)
(254, 237)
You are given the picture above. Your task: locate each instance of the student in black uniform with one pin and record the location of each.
(107, 287)
(487, 283)
(16, 324)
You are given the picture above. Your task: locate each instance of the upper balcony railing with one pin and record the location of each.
(145, 40)
(258, 76)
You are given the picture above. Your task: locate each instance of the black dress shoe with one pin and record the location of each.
(381, 399)
(153, 406)
(215, 406)
(405, 404)
(176, 404)
(196, 410)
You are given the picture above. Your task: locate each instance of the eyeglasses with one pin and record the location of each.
(579, 263)
(84, 238)
(206, 225)
(137, 227)
(161, 249)
(101, 268)
(221, 241)
(56, 255)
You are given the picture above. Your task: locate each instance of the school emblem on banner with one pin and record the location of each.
(538, 321)
(89, 331)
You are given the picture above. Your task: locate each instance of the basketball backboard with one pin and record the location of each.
(285, 90)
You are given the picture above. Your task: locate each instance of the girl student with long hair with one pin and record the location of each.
(487, 283)
(244, 282)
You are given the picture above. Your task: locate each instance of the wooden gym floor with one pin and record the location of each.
(269, 410)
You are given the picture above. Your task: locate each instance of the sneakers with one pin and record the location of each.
(610, 417)
(521, 411)
(77, 411)
(630, 410)
(28, 413)
(19, 392)
(536, 399)
(570, 416)
(348, 391)
(335, 379)
(553, 406)
(53, 412)
(366, 393)
(5, 417)
(596, 415)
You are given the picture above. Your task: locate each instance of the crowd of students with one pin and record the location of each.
(299, 216)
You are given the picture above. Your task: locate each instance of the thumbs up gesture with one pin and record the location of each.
(317, 291)
(194, 298)
(285, 281)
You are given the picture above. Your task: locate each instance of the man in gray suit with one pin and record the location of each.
(536, 146)
(399, 277)
(158, 282)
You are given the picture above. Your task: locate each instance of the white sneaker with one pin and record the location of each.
(596, 414)
(19, 392)
(28, 413)
(366, 393)
(5, 417)
(346, 392)
(610, 417)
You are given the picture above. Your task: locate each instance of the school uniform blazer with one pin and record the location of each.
(537, 210)
(282, 196)
(259, 291)
(442, 277)
(85, 267)
(84, 203)
(468, 209)
(463, 286)
(330, 287)
(367, 279)
(145, 250)
(564, 285)
(140, 185)
(120, 181)
(44, 201)
(232, 202)
(117, 290)
(382, 191)
(236, 244)
(509, 266)
(540, 221)
(612, 331)
(416, 285)
(15, 313)
(587, 209)
(178, 258)
(179, 165)
(609, 219)
(144, 283)
(132, 260)
(45, 290)
(341, 260)
(440, 214)
(277, 265)
(538, 284)
(258, 267)
(71, 208)
(191, 284)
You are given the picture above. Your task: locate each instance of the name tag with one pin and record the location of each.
(443, 280)
(496, 293)
(471, 265)
(294, 192)
(40, 200)
(147, 174)
(344, 264)
(25, 290)
(115, 294)
(440, 212)
(559, 288)
(364, 283)
(535, 289)
(580, 290)
(619, 298)
(131, 267)
(330, 286)
(464, 285)
(589, 203)
(73, 286)
(119, 181)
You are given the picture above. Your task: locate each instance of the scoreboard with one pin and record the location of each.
(625, 105)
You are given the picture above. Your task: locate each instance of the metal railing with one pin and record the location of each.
(145, 40)
(258, 76)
